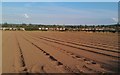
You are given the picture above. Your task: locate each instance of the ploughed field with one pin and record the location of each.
(59, 52)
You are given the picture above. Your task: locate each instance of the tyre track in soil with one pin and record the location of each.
(19, 62)
(59, 65)
(85, 58)
(97, 44)
(54, 60)
(102, 45)
(74, 56)
(88, 69)
(102, 49)
(69, 70)
(89, 50)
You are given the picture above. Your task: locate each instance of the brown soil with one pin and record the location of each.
(59, 52)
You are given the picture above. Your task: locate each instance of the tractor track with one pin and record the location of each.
(73, 55)
(20, 65)
(44, 53)
(101, 45)
(80, 48)
(96, 45)
(67, 68)
(115, 51)
(59, 42)
(70, 70)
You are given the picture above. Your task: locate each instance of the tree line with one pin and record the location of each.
(68, 27)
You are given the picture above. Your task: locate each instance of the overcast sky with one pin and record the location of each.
(60, 12)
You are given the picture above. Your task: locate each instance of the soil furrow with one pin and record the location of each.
(20, 65)
(79, 48)
(77, 57)
(116, 51)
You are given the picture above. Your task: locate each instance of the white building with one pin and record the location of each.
(46, 28)
(10, 28)
(40, 28)
(23, 29)
(15, 29)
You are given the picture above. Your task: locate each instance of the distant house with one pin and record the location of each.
(10, 28)
(60, 29)
(5, 28)
(46, 28)
(15, 29)
(57, 28)
(83, 29)
(52, 29)
(43, 29)
(40, 28)
(23, 29)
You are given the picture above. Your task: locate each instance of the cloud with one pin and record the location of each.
(26, 16)
(115, 19)
(58, 15)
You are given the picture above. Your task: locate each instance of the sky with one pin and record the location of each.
(74, 13)
(60, 0)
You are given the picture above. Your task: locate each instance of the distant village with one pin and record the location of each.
(87, 28)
